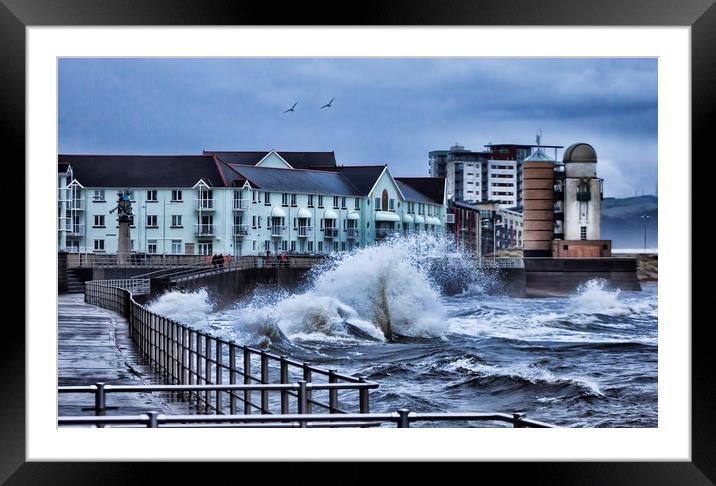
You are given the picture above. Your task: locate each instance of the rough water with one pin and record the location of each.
(587, 360)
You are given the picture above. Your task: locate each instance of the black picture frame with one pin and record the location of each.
(700, 15)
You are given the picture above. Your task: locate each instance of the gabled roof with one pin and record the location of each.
(297, 180)
(143, 170)
(297, 160)
(432, 188)
(363, 177)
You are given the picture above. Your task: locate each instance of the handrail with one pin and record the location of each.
(183, 355)
(402, 418)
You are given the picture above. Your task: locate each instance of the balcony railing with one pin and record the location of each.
(76, 205)
(75, 229)
(304, 231)
(353, 233)
(584, 196)
(278, 231)
(382, 233)
(241, 229)
(241, 204)
(330, 232)
(204, 230)
(204, 204)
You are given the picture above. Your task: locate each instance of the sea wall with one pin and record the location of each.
(548, 277)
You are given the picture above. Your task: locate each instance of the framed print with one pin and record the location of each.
(442, 219)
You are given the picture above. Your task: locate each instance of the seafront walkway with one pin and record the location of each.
(94, 346)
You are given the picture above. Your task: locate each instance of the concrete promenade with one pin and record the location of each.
(94, 346)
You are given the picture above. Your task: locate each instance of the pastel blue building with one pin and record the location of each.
(240, 203)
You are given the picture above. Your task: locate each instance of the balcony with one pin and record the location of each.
(277, 231)
(382, 233)
(241, 204)
(75, 230)
(304, 231)
(205, 205)
(241, 229)
(584, 196)
(330, 232)
(353, 233)
(76, 205)
(204, 230)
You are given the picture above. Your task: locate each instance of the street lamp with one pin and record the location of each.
(644, 217)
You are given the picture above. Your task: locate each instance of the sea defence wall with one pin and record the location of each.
(549, 277)
(230, 285)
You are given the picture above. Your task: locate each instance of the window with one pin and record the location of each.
(293, 246)
(335, 246)
(295, 223)
(151, 246)
(320, 201)
(152, 196)
(284, 245)
(253, 198)
(260, 221)
(310, 200)
(267, 245)
(284, 199)
(320, 246)
(176, 247)
(99, 195)
(253, 222)
(99, 221)
(253, 245)
(267, 199)
(176, 221)
(343, 246)
(335, 202)
(176, 196)
(293, 200)
(583, 233)
(151, 221)
(98, 245)
(384, 200)
(356, 204)
(310, 246)
(377, 204)
(391, 205)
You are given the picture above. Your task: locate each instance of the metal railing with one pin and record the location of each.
(204, 230)
(76, 229)
(330, 232)
(277, 230)
(353, 233)
(183, 355)
(403, 418)
(500, 262)
(241, 204)
(241, 229)
(82, 260)
(204, 204)
(304, 231)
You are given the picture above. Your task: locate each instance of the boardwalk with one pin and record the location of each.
(94, 346)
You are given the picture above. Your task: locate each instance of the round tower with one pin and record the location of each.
(582, 193)
(538, 210)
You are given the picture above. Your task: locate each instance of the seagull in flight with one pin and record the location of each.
(328, 105)
(293, 108)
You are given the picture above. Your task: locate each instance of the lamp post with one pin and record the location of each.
(644, 217)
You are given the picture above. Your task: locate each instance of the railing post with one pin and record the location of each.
(99, 400)
(284, 381)
(232, 378)
(307, 378)
(517, 420)
(403, 419)
(207, 371)
(265, 380)
(332, 394)
(153, 421)
(219, 376)
(363, 398)
(302, 400)
(247, 380)
(198, 369)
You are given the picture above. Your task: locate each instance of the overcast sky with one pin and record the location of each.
(385, 110)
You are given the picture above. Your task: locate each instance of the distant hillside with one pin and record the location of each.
(622, 222)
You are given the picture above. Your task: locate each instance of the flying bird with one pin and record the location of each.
(293, 108)
(328, 105)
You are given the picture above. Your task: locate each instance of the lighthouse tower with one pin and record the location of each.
(581, 204)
